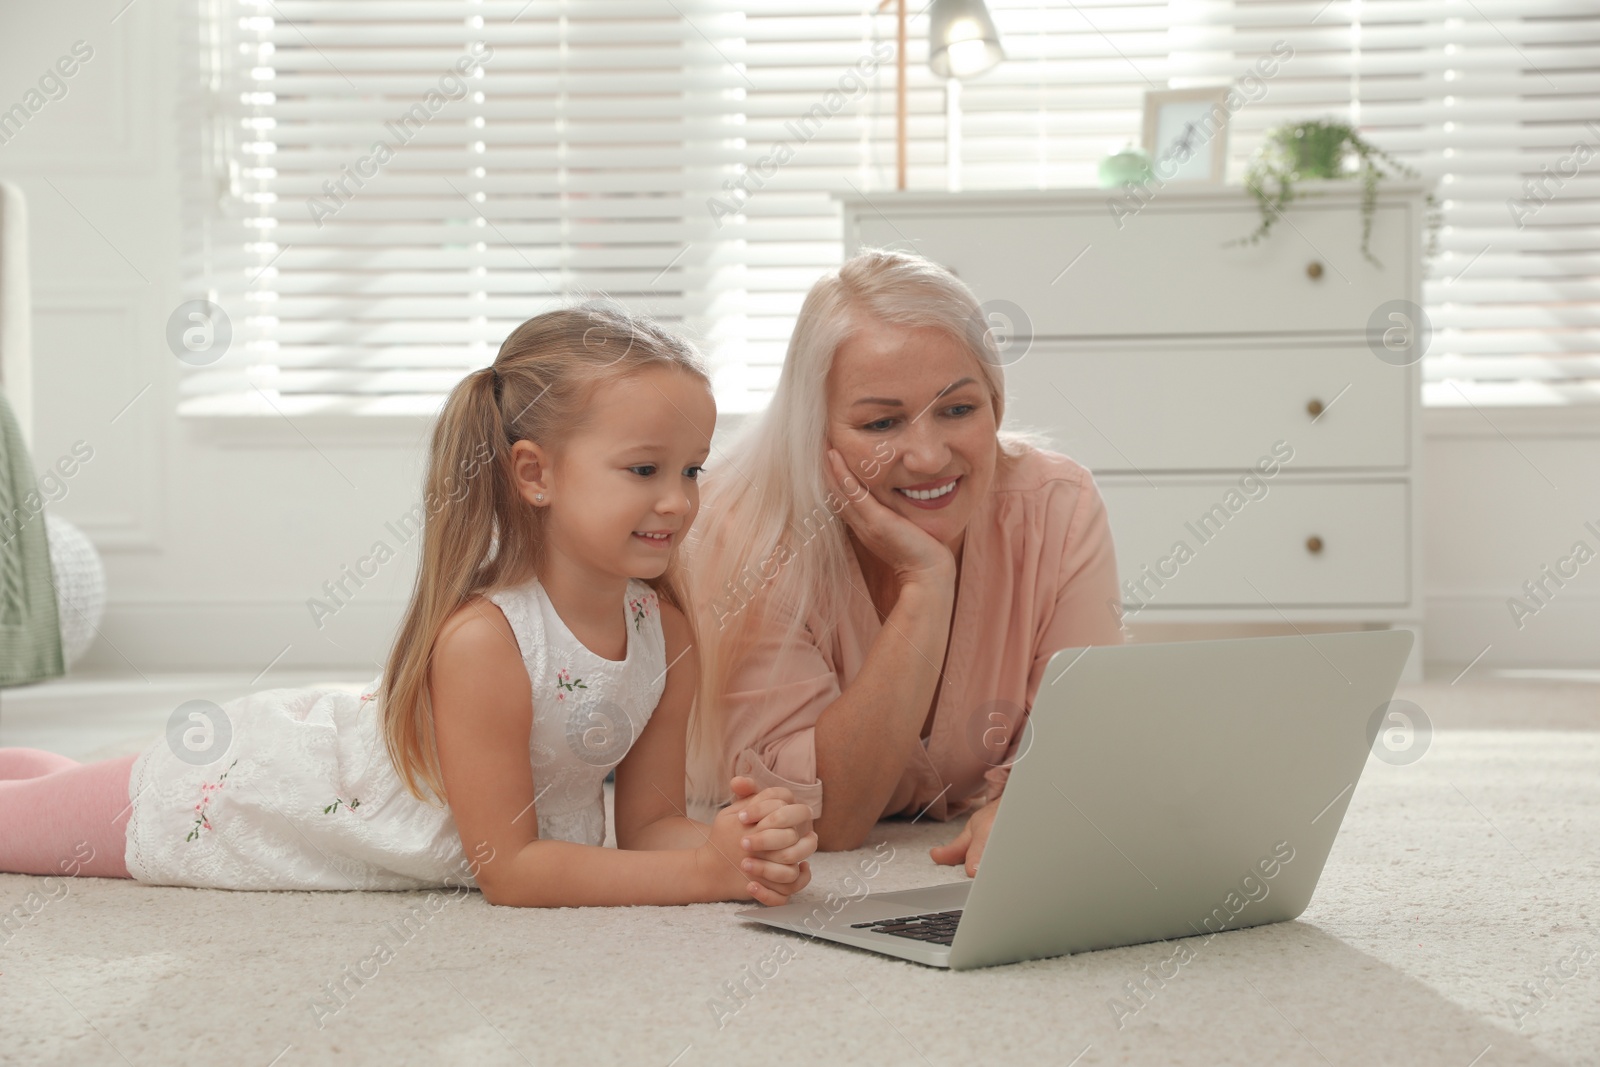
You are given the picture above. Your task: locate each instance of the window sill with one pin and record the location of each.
(345, 429)
(349, 429)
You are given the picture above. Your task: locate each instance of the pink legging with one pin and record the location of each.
(62, 817)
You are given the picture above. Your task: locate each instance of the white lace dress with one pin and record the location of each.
(293, 788)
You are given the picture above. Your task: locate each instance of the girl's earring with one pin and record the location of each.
(538, 497)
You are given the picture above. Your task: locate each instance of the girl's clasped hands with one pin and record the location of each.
(761, 842)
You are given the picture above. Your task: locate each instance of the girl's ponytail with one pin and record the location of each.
(458, 534)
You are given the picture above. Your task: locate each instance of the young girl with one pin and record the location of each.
(546, 642)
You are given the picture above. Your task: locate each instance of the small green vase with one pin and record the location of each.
(1129, 166)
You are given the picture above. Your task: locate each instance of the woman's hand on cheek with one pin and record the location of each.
(912, 552)
(969, 844)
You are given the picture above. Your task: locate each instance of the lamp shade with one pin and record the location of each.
(962, 40)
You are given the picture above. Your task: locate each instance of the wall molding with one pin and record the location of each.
(161, 636)
(140, 528)
(133, 149)
(1555, 420)
(1461, 624)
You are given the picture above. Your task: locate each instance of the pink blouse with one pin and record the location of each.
(1038, 574)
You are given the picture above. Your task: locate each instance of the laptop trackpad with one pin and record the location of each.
(904, 902)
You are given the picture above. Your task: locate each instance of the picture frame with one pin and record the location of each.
(1191, 124)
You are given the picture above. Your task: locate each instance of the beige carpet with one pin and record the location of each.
(1455, 881)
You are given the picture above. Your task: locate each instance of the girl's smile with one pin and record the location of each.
(658, 539)
(623, 490)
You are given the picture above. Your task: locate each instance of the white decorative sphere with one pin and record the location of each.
(80, 586)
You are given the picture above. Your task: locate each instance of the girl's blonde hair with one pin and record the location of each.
(769, 543)
(478, 534)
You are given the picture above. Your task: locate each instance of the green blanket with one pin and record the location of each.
(30, 633)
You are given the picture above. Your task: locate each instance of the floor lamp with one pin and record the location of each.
(962, 43)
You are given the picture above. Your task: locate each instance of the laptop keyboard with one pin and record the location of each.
(936, 928)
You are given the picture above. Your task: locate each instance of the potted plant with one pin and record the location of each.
(1306, 151)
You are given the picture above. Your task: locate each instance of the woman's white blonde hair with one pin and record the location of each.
(768, 546)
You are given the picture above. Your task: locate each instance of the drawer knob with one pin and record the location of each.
(1314, 408)
(1314, 270)
(1314, 544)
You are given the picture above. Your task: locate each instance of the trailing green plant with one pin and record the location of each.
(1320, 149)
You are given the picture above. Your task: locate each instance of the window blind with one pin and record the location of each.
(682, 158)
(1070, 90)
(1498, 101)
(395, 184)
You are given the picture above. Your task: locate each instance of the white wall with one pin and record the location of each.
(214, 537)
(212, 543)
(1507, 493)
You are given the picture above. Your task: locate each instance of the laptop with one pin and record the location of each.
(1160, 791)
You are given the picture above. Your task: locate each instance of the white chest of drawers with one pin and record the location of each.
(1257, 457)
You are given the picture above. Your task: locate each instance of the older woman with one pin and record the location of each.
(881, 575)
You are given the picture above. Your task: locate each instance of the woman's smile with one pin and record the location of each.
(930, 496)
